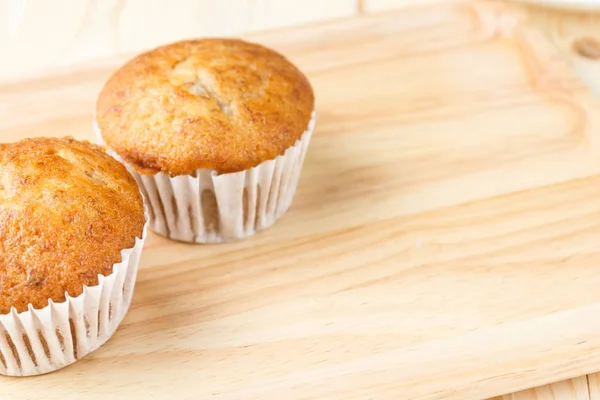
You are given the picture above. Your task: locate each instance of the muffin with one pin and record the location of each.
(72, 223)
(215, 132)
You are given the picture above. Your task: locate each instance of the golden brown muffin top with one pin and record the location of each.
(67, 209)
(222, 104)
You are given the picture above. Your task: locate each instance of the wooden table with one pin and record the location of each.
(575, 31)
(443, 243)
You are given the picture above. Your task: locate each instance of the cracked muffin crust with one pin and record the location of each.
(221, 104)
(67, 209)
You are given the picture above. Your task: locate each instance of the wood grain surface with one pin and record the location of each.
(580, 388)
(35, 34)
(572, 389)
(575, 32)
(574, 28)
(442, 244)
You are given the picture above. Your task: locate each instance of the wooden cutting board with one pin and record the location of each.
(443, 244)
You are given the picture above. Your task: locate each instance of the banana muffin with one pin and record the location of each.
(72, 224)
(215, 132)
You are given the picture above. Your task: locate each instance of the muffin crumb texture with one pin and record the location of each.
(221, 104)
(67, 209)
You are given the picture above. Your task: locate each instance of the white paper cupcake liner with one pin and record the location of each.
(212, 208)
(36, 342)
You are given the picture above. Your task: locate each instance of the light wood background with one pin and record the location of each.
(37, 34)
(576, 33)
(581, 388)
